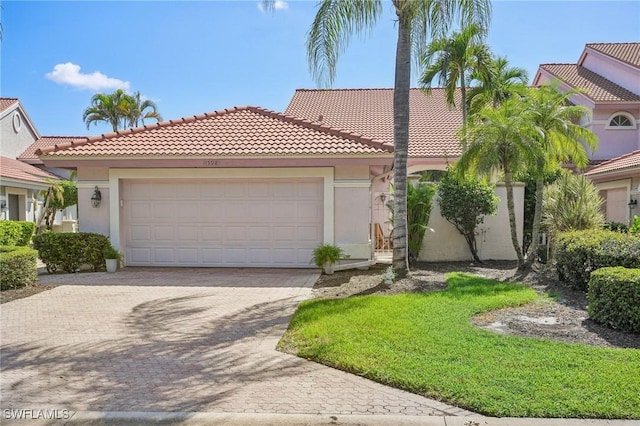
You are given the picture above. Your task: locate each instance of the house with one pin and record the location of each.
(22, 174)
(619, 179)
(609, 75)
(433, 145)
(238, 187)
(247, 186)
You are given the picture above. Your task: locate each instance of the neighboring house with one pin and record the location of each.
(609, 75)
(619, 180)
(238, 187)
(432, 146)
(22, 174)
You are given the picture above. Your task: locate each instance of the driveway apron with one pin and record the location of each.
(177, 340)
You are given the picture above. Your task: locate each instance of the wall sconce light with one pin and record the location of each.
(383, 197)
(3, 207)
(96, 198)
(632, 204)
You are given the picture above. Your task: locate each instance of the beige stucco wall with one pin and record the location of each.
(93, 173)
(351, 172)
(14, 143)
(443, 242)
(91, 219)
(351, 219)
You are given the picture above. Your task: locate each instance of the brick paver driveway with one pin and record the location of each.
(188, 340)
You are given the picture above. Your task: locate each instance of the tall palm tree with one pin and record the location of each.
(499, 83)
(120, 110)
(109, 108)
(454, 60)
(500, 139)
(336, 21)
(559, 139)
(136, 108)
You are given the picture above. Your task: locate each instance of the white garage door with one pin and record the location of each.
(240, 222)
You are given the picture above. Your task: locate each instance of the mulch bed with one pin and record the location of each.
(21, 293)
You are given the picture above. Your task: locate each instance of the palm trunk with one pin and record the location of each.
(535, 231)
(463, 97)
(401, 144)
(512, 214)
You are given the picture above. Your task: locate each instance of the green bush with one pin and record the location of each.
(616, 226)
(16, 233)
(578, 253)
(69, 250)
(419, 198)
(18, 267)
(614, 298)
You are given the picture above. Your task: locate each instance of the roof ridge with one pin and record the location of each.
(612, 42)
(9, 99)
(590, 96)
(357, 137)
(611, 160)
(362, 89)
(135, 130)
(64, 137)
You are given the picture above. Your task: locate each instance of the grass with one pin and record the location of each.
(425, 343)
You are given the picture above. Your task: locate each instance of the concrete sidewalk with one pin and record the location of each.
(96, 418)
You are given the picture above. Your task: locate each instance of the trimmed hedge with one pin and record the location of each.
(614, 298)
(16, 232)
(18, 267)
(69, 250)
(578, 253)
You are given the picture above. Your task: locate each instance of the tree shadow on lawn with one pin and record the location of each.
(169, 360)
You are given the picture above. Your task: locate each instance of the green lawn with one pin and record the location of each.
(426, 344)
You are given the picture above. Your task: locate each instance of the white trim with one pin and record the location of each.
(18, 106)
(115, 175)
(629, 116)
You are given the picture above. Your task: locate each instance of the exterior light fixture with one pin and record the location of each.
(632, 204)
(96, 198)
(3, 207)
(383, 197)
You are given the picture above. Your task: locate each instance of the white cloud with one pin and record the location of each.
(277, 5)
(69, 73)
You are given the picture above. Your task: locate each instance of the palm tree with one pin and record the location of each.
(558, 138)
(109, 108)
(499, 83)
(336, 21)
(120, 110)
(136, 108)
(500, 139)
(454, 60)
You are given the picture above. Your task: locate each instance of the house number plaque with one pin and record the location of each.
(210, 163)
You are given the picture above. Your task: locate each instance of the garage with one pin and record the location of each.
(267, 222)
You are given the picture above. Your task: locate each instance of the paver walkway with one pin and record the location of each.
(187, 340)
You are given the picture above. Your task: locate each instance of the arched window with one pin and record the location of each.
(621, 120)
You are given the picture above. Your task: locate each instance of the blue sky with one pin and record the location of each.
(194, 57)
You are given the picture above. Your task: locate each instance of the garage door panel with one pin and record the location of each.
(266, 222)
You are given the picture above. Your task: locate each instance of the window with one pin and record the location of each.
(621, 120)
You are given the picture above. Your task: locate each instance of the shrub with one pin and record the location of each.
(616, 226)
(464, 202)
(16, 233)
(578, 253)
(69, 250)
(419, 198)
(18, 267)
(635, 226)
(614, 298)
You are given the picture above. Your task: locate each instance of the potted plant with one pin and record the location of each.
(325, 256)
(111, 258)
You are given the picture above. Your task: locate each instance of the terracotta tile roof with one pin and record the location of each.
(432, 124)
(624, 162)
(29, 154)
(626, 52)
(598, 88)
(6, 103)
(240, 131)
(15, 169)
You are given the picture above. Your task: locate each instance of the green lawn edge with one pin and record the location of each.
(425, 343)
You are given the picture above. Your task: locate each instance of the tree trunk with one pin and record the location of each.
(512, 215)
(463, 97)
(535, 231)
(401, 145)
